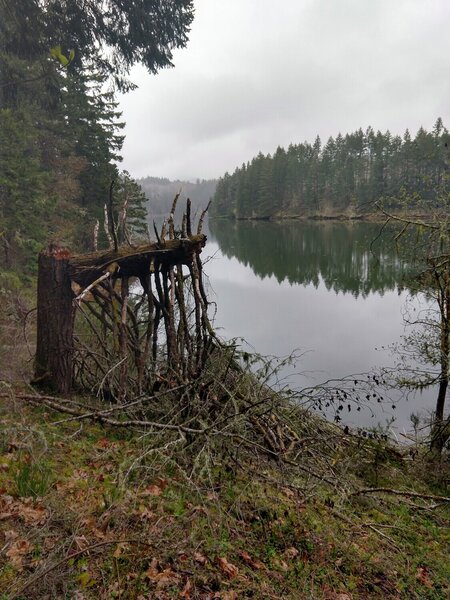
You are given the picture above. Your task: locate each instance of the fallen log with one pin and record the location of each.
(136, 261)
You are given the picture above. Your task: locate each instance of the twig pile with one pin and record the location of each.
(143, 318)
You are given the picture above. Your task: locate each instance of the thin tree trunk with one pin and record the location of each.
(440, 435)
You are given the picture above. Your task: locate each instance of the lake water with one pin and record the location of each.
(331, 291)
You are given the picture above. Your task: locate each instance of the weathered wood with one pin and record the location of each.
(126, 344)
(134, 261)
(55, 319)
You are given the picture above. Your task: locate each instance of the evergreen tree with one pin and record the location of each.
(346, 176)
(59, 125)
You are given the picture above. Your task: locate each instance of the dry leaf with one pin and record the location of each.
(36, 515)
(291, 552)
(186, 592)
(152, 490)
(103, 443)
(10, 535)
(18, 550)
(144, 513)
(26, 510)
(229, 595)
(119, 549)
(163, 483)
(80, 542)
(161, 578)
(282, 565)
(152, 570)
(254, 564)
(198, 557)
(227, 568)
(423, 576)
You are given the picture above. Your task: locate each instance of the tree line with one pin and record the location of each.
(161, 191)
(61, 64)
(346, 176)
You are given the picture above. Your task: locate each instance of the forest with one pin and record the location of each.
(60, 127)
(344, 177)
(161, 191)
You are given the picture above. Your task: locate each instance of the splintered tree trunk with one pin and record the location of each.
(55, 319)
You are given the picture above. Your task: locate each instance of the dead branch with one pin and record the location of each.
(400, 493)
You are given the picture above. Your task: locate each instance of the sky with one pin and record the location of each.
(257, 74)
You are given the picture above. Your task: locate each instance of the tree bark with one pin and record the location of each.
(55, 319)
(440, 433)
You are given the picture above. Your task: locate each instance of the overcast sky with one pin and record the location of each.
(257, 74)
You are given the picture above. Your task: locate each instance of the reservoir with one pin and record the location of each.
(332, 292)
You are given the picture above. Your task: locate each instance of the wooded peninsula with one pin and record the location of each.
(344, 178)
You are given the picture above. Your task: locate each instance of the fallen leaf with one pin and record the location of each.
(186, 592)
(161, 578)
(16, 553)
(152, 490)
(103, 443)
(423, 576)
(291, 552)
(163, 483)
(80, 542)
(282, 565)
(254, 564)
(36, 515)
(26, 510)
(227, 568)
(198, 557)
(229, 595)
(10, 535)
(144, 513)
(119, 549)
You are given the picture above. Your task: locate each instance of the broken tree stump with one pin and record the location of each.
(55, 320)
(124, 333)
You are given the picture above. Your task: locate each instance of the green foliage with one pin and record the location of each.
(345, 176)
(33, 479)
(112, 35)
(59, 123)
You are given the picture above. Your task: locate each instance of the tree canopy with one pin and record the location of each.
(111, 35)
(60, 128)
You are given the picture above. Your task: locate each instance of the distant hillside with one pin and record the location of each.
(344, 177)
(160, 193)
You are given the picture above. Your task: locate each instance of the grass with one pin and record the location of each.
(32, 480)
(241, 533)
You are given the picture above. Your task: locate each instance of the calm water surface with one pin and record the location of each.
(331, 291)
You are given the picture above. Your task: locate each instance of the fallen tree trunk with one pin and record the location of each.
(135, 261)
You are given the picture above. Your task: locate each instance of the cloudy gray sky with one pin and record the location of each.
(261, 73)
